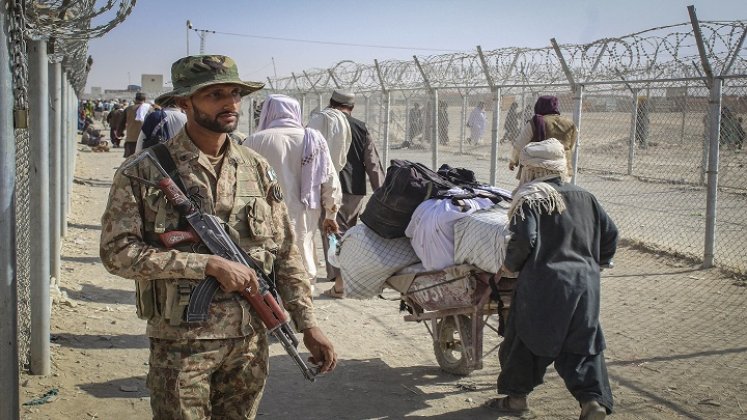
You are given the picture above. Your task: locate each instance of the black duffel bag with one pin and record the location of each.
(407, 184)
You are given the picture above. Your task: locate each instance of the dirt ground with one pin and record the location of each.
(677, 344)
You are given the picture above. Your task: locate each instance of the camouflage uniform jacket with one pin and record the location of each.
(136, 212)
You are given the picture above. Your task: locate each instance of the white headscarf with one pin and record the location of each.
(541, 161)
(281, 111)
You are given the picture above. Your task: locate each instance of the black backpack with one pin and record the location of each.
(407, 184)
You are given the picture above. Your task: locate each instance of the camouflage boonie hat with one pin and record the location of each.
(194, 72)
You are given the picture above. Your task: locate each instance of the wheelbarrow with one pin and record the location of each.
(457, 306)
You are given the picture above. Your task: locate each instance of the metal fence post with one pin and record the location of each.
(71, 127)
(578, 99)
(714, 130)
(684, 113)
(463, 122)
(714, 102)
(434, 146)
(407, 121)
(633, 128)
(71, 148)
(55, 172)
(494, 135)
(367, 113)
(39, 132)
(64, 140)
(496, 117)
(387, 110)
(250, 117)
(9, 364)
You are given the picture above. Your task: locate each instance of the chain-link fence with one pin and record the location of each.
(53, 32)
(641, 103)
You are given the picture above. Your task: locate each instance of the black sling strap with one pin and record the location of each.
(167, 162)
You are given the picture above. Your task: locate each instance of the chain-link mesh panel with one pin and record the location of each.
(731, 227)
(639, 155)
(23, 243)
(22, 196)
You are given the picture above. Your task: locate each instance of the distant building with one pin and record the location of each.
(152, 83)
(152, 86)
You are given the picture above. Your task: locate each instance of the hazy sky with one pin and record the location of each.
(155, 34)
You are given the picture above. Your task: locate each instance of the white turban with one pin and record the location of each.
(546, 154)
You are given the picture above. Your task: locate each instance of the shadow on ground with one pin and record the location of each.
(348, 392)
(133, 387)
(82, 260)
(92, 293)
(83, 226)
(100, 341)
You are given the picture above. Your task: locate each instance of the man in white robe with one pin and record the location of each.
(311, 188)
(477, 122)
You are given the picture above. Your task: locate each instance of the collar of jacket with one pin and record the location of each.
(185, 150)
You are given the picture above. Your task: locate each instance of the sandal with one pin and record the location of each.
(333, 293)
(503, 405)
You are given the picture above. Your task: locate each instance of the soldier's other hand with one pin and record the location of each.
(511, 166)
(330, 226)
(232, 276)
(322, 352)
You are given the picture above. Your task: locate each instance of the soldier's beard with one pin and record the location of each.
(214, 124)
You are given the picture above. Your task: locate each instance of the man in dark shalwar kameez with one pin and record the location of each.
(561, 236)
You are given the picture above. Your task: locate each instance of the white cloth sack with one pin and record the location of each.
(431, 229)
(481, 239)
(367, 260)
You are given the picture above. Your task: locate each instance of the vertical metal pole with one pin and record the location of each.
(303, 106)
(71, 149)
(407, 120)
(64, 142)
(633, 128)
(434, 148)
(684, 114)
(387, 111)
(714, 103)
(367, 114)
(494, 135)
(252, 107)
(463, 120)
(9, 370)
(578, 98)
(55, 172)
(188, 28)
(39, 208)
(705, 146)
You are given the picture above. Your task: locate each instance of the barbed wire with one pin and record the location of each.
(665, 52)
(68, 26)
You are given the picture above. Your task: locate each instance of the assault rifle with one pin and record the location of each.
(208, 230)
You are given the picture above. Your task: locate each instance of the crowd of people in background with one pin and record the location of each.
(132, 124)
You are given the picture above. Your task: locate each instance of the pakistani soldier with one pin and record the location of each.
(217, 368)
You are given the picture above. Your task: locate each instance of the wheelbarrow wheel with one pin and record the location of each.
(451, 347)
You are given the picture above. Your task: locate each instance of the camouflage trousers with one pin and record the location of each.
(207, 379)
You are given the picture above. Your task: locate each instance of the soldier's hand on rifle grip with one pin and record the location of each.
(321, 349)
(330, 226)
(232, 276)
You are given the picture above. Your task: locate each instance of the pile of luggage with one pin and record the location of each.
(423, 221)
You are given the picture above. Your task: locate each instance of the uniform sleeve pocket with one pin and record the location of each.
(259, 218)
